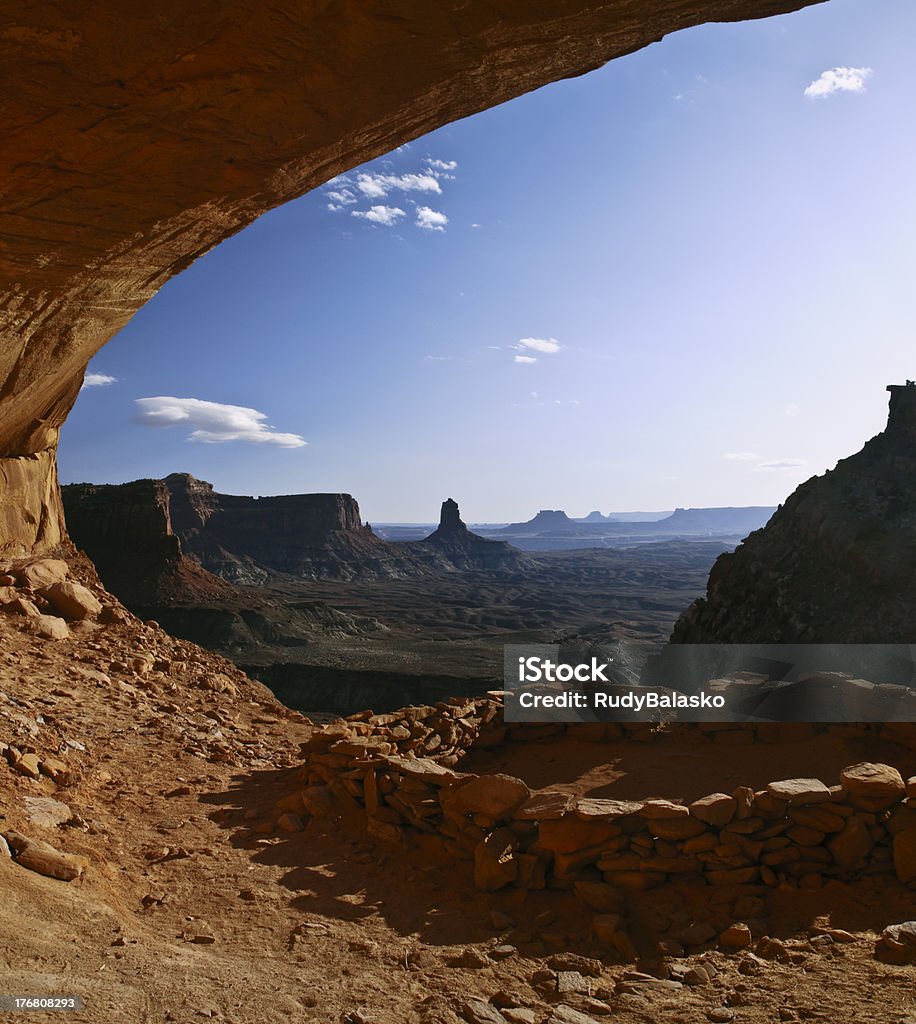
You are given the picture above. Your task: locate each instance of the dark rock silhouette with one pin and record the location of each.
(466, 550)
(835, 564)
(242, 539)
(450, 516)
(149, 529)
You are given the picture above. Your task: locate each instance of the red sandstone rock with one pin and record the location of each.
(496, 796)
(869, 780)
(44, 859)
(73, 600)
(715, 809)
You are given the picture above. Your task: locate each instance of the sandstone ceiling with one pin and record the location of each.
(137, 136)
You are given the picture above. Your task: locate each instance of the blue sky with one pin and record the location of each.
(706, 248)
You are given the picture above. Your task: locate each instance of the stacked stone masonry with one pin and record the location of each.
(397, 773)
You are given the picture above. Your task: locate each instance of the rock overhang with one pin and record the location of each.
(153, 134)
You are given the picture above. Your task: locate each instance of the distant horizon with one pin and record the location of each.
(681, 280)
(432, 520)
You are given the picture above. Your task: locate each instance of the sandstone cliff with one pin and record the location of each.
(166, 530)
(835, 564)
(127, 531)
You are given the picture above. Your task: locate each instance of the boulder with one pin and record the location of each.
(897, 943)
(799, 791)
(44, 858)
(73, 600)
(51, 627)
(46, 812)
(736, 936)
(661, 809)
(716, 809)
(851, 846)
(495, 796)
(42, 573)
(476, 1011)
(22, 606)
(27, 765)
(879, 782)
(605, 810)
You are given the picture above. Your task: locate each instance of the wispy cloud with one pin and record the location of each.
(548, 346)
(385, 215)
(838, 80)
(740, 456)
(97, 380)
(441, 165)
(778, 464)
(432, 220)
(213, 422)
(377, 186)
(339, 198)
(525, 359)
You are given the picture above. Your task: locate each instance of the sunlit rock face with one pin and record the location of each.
(136, 137)
(835, 564)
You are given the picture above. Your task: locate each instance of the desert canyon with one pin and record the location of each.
(178, 844)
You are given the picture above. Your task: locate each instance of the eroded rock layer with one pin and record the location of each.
(137, 137)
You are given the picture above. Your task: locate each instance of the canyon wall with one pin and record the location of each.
(837, 561)
(137, 137)
(137, 530)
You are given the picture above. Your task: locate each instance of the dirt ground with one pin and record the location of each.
(194, 907)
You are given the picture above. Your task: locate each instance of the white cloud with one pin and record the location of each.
(341, 198)
(475, 225)
(98, 380)
(442, 165)
(386, 215)
(213, 422)
(777, 464)
(546, 345)
(432, 220)
(838, 80)
(377, 186)
(525, 359)
(741, 456)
